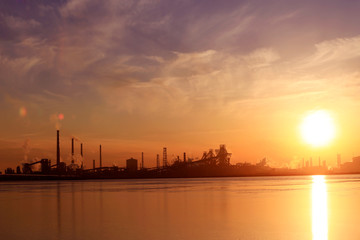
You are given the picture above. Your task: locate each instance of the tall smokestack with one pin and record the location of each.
(184, 156)
(58, 149)
(100, 158)
(303, 163)
(82, 156)
(72, 150)
(94, 164)
(142, 159)
(157, 161)
(165, 157)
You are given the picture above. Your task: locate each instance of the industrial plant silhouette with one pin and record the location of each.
(213, 163)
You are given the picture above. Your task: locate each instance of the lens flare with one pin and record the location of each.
(61, 116)
(22, 112)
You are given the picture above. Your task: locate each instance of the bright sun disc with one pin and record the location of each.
(317, 128)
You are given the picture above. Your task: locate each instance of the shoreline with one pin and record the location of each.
(40, 177)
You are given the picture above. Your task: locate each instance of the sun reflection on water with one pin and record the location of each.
(319, 209)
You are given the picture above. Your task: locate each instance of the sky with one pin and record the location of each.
(137, 76)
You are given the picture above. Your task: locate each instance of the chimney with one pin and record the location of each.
(142, 160)
(58, 149)
(82, 156)
(339, 160)
(184, 156)
(303, 163)
(94, 164)
(165, 157)
(100, 158)
(72, 150)
(157, 161)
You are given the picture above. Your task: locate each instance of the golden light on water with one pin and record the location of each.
(318, 128)
(319, 209)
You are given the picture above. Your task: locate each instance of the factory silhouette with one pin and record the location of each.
(213, 163)
(60, 170)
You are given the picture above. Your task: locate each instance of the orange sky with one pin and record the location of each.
(187, 76)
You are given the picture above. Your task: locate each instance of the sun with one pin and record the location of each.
(318, 128)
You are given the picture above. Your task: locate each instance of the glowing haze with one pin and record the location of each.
(189, 75)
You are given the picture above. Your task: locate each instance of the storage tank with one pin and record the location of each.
(131, 164)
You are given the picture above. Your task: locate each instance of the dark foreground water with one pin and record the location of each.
(303, 207)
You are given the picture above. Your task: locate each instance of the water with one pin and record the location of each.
(302, 207)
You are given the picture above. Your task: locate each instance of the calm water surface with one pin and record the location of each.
(306, 207)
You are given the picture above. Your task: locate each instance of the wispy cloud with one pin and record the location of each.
(19, 24)
(285, 17)
(334, 51)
